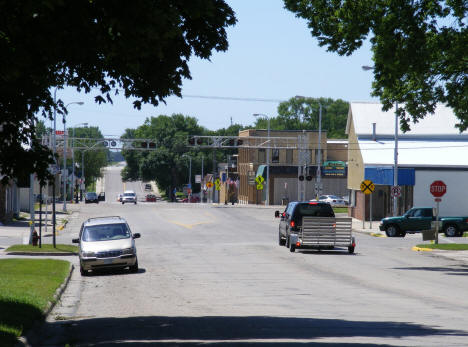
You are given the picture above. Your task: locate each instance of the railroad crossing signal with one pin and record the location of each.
(396, 191)
(367, 187)
(259, 180)
(217, 184)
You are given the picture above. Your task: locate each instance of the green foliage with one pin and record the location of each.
(168, 163)
(94, 160)
(303, 113)
(420, 49)
(140, 49)
(26, 287)
(445, 246)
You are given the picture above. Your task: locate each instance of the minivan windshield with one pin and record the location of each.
(129, 194)
(314, 209)
(105, 232)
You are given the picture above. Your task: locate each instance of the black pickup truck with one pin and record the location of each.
(420, 218)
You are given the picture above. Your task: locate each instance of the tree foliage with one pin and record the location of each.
(168, 163)
(140, 48)
(419, 48)
(303, 113)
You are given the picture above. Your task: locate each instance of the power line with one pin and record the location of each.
(231, 98)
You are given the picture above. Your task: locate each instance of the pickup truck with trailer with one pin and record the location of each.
(312, 224)
(418, 219)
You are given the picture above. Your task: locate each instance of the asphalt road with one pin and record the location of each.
(216, 275)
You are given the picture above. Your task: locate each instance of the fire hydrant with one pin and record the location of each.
(35, 238)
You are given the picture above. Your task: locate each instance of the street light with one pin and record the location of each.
(73, 159)
(267, 158)
(318, 190)
(190, 175)
(395, 153)
(65, 176)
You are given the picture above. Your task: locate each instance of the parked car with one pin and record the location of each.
(129, 196)
(102, 196)
(192, 199)
(148, 186)
(106, 242)
(151, 198)
(119, 197)
(332, 200)
(418, 219)
(91, 197)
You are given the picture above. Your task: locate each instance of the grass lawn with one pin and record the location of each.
(340, 209)
(26, 287)
(45, 248)
(446, 246)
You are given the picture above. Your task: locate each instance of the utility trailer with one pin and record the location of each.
(323, 233)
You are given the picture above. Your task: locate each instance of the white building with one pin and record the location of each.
(433, 149)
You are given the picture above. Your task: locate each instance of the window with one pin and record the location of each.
(289, 156)
(275, 156)
(261, 156)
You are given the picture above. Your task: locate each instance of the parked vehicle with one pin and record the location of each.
(333, 200)
(106, 242)
(91, 197)
(148, 186)
(129, 196)
(151, 198)
(418, 219)
(192, 199)
(313, 225)
(102, 196)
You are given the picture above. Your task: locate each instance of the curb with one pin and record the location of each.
(23, 340)
(42, 253)
(377, 235)
(420, 249)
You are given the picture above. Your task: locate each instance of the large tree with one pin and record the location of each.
(168, 163)
(139, 48)
(419, 48)
(303, 113)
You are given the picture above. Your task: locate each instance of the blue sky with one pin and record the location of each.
(271, 55)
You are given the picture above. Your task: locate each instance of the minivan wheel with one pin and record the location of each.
(83, 272)
(134, 268)
(292, 248)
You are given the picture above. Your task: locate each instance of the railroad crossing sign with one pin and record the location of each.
(217, 184)
(259, 180)
(438, 189)
(209, 184)
(396, 191)
(367, 187)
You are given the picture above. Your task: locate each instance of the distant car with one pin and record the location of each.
(129, 196)
(102, 196)
(106, 242)
(332, 200)
(148, 186)
(151, 198)
(119, 197)
(91, 197)
(192, 199)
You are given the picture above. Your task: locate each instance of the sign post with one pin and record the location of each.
(437, 189)
(367, 187)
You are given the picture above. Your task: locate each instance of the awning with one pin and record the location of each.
(261, 171)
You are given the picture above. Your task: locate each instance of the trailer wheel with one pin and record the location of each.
(286, 242)
(351, 249)
(281, 241)
(292, 247)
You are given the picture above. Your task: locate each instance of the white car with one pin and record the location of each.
(333, 200)
(106, 242)
(129, 196)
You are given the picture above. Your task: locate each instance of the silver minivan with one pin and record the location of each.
(107, 242)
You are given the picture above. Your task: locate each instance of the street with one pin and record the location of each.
(216, 275)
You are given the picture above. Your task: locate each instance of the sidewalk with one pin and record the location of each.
(366, 228)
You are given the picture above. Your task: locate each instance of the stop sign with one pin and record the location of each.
(438, 189)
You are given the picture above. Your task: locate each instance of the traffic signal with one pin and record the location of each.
(231, 142)
(301, 178)
(199, 141)
(240, 142)
(191, 141)
(152, 145)
(143, 145)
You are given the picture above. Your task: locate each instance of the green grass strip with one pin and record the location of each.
(446, 246)
(340, 209)
(46, 248)
(26, 287)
